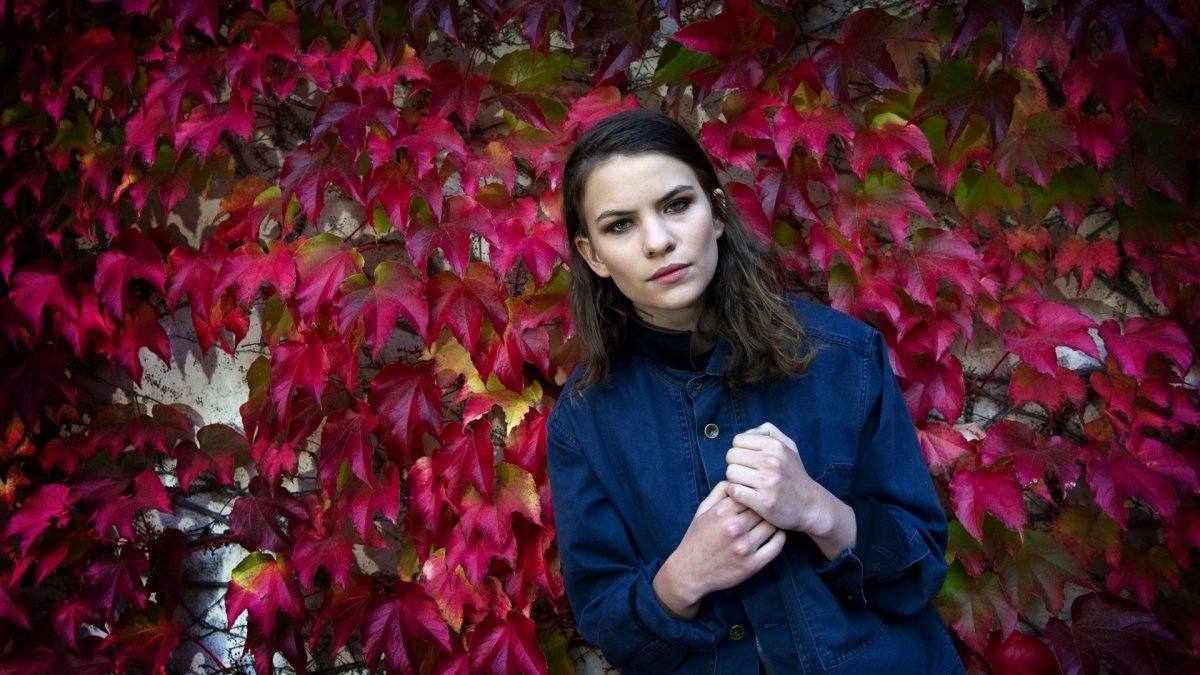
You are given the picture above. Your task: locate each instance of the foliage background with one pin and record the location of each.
(1007, 191)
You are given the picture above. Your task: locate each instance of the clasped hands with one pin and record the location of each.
(741, 525)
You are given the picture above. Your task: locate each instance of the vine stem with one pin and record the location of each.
(204, 648)
(986, 378)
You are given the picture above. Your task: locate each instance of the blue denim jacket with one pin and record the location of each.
(630, 459)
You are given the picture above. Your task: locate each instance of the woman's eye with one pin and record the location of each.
(617, 226)
(678, 205)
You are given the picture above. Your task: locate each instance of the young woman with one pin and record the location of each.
(737, 484)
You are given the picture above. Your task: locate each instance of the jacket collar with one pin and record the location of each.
(673, 349)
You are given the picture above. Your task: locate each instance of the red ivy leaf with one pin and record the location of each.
(1151, 471)
(408, 401)
(1088, 257)
(46, 508)
(463, 220)
(624, 28)
(942, 444)
(115, 580)
(352, 113)
(132, 257)
(1107, 628)
(346, 438)
(1051, 392)
(263, 585)
(461, 304)
(1112, 78)
(298, 364)
(1006, 14)
(884, 197)
(148, 636)
(467, 454)
(452, 89)
(244, 208)
(394, 622)
(894, 140)
(89, 55)
(813, 128)
(120, 511)
(40, 286)
(515, 493)
(309, 169)
(193, 274)
(178, 75)
(863, 49)
(247, 268)
(1141, 338)
(342, 610)
(1051, 325)
(993, 489)
(255, 519)
(1045, 145)
(958, 92)
(142, 329)
(539, 243)
(322, 264)
(1020, 654)
(1100, 136)
(506, 645)
(396, 292)
(1032, 455)
(734, 37)
(974, 606)
(1143, 571)
(332, 550)
(930, 384)
(220, 450)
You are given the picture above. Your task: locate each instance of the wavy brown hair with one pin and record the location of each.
(745, 303)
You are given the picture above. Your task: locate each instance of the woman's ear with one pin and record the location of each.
(719, 206)
(588, 252)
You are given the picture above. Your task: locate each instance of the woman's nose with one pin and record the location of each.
(657, 238)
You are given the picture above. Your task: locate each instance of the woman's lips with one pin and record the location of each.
(670, 274)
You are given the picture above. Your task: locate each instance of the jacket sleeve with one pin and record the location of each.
(898, 564)
(610, 589)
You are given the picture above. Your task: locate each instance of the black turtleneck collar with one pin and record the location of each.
(671, 348)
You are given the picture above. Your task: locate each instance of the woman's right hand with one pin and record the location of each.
(725, 544)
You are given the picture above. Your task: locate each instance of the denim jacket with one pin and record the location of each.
(631, 458)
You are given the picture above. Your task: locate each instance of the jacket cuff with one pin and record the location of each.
(844, 574)
(653, 618)
(883, 552)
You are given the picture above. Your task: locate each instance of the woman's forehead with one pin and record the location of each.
(633, 177)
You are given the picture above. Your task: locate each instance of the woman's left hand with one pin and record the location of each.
(766, 474)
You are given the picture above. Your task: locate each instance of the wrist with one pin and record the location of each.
(679, 594)
(837, 529)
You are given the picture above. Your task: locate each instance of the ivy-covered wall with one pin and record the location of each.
(282, 309)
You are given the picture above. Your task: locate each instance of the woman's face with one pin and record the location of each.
(650, 228)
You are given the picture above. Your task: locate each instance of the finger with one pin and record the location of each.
(761, 533)
(757, 442)
(740, 475)
(714, 496)
(747, 497)
(763, 429)
(743, 457)
(773, 432)
(773, 546)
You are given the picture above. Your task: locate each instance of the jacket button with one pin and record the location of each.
(711, 430)
(736, 631)
(696, 383)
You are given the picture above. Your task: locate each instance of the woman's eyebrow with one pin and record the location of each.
(671, 194)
